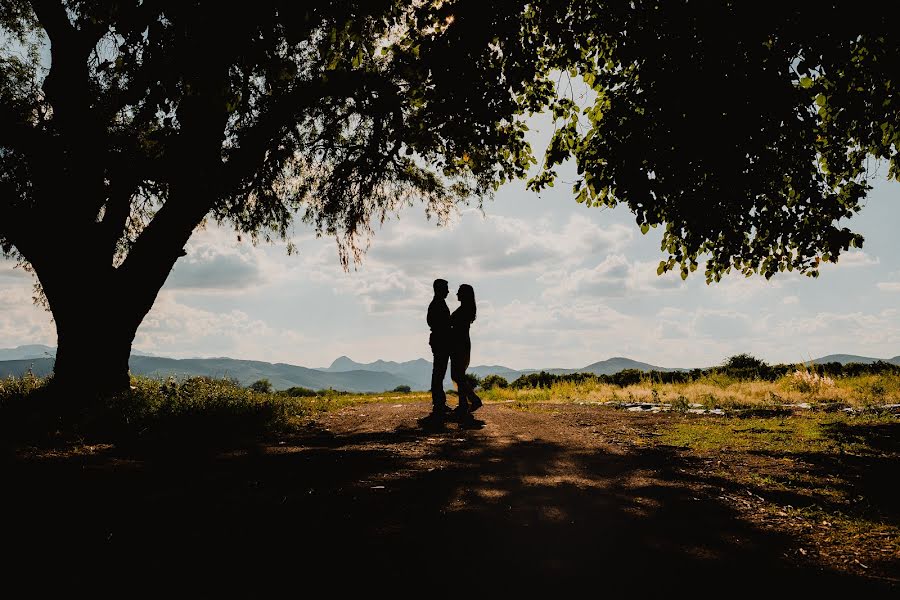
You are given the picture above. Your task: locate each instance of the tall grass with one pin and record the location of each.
(716, 390)
(197, 411)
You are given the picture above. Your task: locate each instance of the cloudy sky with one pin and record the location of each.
(557, 285)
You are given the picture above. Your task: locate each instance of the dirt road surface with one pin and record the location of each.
(369, 499)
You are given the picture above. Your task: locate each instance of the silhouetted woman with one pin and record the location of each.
(461, 349)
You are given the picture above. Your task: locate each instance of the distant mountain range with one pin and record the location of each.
(41, 351)
(343, 374)
(851, 358)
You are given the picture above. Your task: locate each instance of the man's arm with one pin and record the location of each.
(432, 317)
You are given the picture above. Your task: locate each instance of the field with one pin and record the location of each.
(718, 391)
(547, 489)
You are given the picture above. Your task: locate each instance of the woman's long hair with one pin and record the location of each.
(467, 300)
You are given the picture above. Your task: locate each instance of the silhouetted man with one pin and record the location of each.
(439, 322)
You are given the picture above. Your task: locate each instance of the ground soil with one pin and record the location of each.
(371, 498)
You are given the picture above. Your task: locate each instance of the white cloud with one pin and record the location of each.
(494, 245)
(614, 276)
(643, 278)
(889, 286)
(21, 322)
(791, 300)
(736, 288)
(11, 275)
(217, 262)
(392, 292)
(722, 324)
(179, 330)
(705, 323)
(868, 333)
(853, 259)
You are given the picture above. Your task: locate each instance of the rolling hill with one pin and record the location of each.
(282, 376)
(342, 374)
(852, 358)
(26, 352)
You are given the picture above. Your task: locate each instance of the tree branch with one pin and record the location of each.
(67, 88)
(195, 182)
(252, 144)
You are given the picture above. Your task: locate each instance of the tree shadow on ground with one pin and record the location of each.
(861, 475)
(393, 511)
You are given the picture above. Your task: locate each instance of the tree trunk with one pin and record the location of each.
(93, 351)
(96, 319)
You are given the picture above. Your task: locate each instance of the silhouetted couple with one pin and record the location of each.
(450, 340)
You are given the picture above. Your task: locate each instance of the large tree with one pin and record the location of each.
(744, 133)
(150, 117)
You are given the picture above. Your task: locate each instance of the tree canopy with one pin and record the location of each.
(746, 133)
(337, 110)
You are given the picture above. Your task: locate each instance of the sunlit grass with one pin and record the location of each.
(793, 433)
(714, 391)
(803, 472)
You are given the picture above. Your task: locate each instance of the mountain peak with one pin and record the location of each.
(343, 362)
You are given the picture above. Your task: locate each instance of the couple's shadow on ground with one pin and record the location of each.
(433, 422)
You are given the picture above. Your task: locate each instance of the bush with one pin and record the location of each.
(681, 404)
(546, 380)
(261, 386)
(164, 415)
(744, 361)
(627, 377)
(746, 366)
(494, 381)
(330, 393)
(403, 389)
(298, 392)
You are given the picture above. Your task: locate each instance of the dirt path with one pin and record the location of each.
(550, 499)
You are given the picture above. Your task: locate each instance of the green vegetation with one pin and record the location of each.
(298, 392)
(790, 433)
(828, 477)
(492, 381)
(710, 389)
(741, 367)
(197, 411)
(261, 386)
(216, 410)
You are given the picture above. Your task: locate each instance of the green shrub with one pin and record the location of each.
(627, 377)
(681, 404)
(403, 389)
(261, 386)
(331, 393)
(298, 392)
(494, 381)
(167, 415)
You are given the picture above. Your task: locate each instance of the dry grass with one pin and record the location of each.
(715, 392)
